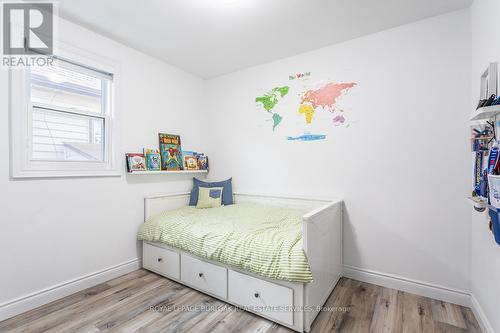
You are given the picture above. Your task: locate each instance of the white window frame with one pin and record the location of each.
(22, 165)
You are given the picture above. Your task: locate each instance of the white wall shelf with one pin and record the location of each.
(485, 113)
(167, 172)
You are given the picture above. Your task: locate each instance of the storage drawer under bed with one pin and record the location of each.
(161, 260)
(261, 296)
(204, 276)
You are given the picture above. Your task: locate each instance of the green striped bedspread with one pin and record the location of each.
(261, 239)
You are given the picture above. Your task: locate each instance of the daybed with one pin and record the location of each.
(281, 289)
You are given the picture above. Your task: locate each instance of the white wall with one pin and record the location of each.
(400, 167)
(485, 252)
(56, 230)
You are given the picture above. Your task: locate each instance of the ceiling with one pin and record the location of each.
(213, 37)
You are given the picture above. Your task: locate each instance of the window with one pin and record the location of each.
(69, 105)
(63, 120)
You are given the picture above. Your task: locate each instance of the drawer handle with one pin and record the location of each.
(256, 295)
(160, 259)
(200, 274)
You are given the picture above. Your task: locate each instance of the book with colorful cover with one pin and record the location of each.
(153, 159)
(190, 160)
(202, 162)
(135, 162)
(170, 151)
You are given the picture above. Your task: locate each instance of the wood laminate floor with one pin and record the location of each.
(145, 302)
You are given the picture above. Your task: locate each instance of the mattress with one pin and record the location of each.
(262, 239)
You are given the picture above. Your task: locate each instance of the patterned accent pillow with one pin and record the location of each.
(209, 197)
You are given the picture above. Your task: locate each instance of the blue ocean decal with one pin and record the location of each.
(307, 137)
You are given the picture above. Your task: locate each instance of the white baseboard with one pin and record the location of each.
(45, 296)
(481, 316)
(408, 285)
(39, 298)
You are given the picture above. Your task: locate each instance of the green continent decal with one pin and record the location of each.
(276, 120)
(282, 90)
(268, 102)
(271, 98)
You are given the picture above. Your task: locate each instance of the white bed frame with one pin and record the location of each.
(294, 305)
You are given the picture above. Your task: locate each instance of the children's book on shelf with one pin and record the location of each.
(190, 160)
(135, 162)
(202, 162)
(170, 151)
(153, 159)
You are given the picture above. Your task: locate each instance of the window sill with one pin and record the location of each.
(65, 174)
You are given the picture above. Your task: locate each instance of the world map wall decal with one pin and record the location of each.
(311, 107)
